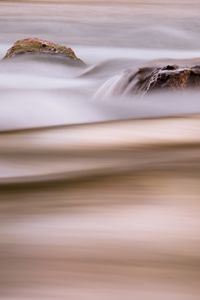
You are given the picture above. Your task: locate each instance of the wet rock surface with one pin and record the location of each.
(168, 78)
(152, 79)
(33, 46)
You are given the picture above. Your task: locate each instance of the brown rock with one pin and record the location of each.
(39, 46)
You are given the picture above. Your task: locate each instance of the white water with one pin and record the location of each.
(35, 94)
(109, 38)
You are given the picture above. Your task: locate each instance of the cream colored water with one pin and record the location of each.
(109, 208)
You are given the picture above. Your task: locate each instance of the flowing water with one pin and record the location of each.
(99, 194)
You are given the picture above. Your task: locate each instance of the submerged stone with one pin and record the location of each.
(39, 46)
(168, 78)
(148, 80)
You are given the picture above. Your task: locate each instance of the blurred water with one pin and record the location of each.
(99, 195)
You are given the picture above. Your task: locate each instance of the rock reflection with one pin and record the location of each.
(113, 217)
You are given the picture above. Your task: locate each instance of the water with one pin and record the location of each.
(99, 193)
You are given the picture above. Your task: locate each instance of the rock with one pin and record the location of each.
(39, 46)
(168, 78)
(148, 80)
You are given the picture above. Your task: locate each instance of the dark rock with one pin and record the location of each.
(169, 78)
(148, 80)
(39, 46)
